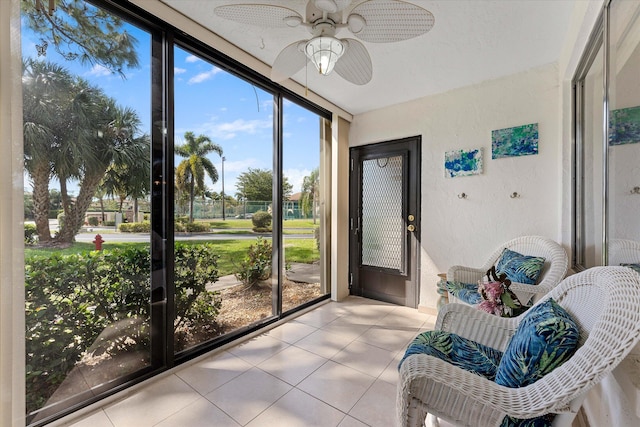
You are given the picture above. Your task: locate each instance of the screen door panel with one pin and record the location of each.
(383, 229)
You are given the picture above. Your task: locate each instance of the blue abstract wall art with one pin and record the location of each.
(516, 141)
(624, 126)
(462, 163)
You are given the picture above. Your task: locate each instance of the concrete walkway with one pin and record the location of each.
(299, 272)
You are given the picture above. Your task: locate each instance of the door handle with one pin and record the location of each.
(411, 227)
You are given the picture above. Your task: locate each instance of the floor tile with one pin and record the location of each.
(292, 331)
(377, 407)
(320, 316)
(292, 364)
(258, 349)
(213, 372)
(246, 396)
(201, 413)
(390, 374)
(388, 337)
(365, 358)
(349, 421)
(152, 404)
(337, 385)
(349, 327)
(97, 419)
(324, 343)
(298, 409)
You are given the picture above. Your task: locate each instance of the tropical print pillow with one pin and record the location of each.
(467, 292)
(546, 337)
(459, 351)
(520, 268)
(635, 267)
(543, 421)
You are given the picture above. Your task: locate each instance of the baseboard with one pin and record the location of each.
(427, 310)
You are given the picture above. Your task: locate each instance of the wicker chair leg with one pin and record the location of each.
(416, 414)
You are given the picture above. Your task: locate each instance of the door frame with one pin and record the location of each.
(410, 149)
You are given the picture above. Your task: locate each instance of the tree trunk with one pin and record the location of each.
(192, 196)
(41, 201)
(102, 210)
(135, 209)
(75, 219)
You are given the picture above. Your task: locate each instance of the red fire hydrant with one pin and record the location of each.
(98, 242)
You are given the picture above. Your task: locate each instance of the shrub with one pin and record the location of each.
(71, 299)
(60, 220)
(196, 227)
(93, 220)
(135, 227)
(261, 221)
(256, 265)
(109, 223)
(30, 234)
(182, 219)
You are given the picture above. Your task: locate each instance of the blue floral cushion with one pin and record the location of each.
(467, 292)
(461, 352)
(520, 268)
(546, 337)
(543, 421)
(635, 267)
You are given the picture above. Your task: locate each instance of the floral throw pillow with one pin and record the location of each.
(546, 337)
(459, 351)
(520, 268)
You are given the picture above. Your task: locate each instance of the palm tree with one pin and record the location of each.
(46, 87)
(310, 193)
(191, 171)
(109, 137)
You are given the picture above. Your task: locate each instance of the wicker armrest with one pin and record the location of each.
(465, 274)
(476, 325)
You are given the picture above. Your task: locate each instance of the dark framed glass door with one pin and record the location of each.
(385, 221)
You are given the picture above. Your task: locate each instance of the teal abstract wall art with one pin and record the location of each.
(624, 126)
(516, 141)
(462, 163)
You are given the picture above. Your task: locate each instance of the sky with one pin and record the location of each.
(208, 101)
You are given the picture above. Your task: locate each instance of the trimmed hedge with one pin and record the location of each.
(135, 227)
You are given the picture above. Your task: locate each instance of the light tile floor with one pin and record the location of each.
(333, 366)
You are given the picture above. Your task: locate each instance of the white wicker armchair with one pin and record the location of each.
(555, 267)
(604, 302)
(624, 251)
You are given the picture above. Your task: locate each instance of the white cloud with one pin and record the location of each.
(98, 71)
(192, 58)
(295, 177)
(229, 130)
(177, 70)
(199, 78)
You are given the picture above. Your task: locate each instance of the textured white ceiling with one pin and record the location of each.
(471, 41)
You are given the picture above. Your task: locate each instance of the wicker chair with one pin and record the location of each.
(604, 302)
(555, 267)
(623, 251)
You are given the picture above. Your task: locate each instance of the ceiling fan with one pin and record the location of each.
(374, 21)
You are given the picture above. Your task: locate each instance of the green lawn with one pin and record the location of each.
(231, 251)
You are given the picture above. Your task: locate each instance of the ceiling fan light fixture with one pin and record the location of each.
(324, 52)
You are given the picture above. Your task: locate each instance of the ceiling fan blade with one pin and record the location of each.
(389, 21)
(291, 60)
(355, 64)
(259, 14)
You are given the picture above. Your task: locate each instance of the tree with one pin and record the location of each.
(82, 32)
(310, 194)
(130, 179)
(191, 171)
(47, 88)
(73, 132)
(257, 185)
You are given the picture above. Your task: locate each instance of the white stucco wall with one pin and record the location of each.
(466, 231)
